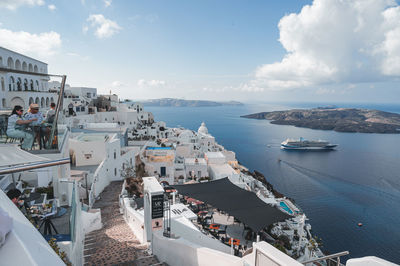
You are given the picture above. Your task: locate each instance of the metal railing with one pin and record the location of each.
(329, 257)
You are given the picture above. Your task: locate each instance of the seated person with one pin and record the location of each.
(33, 112)
(51, 113)
(15, 127)
(14, 195)
(38, 126)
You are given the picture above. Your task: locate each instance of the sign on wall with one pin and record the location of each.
(157, 206)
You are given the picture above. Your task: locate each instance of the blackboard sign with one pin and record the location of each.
(157, 206)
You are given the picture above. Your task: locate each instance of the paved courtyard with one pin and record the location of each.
(114, 244)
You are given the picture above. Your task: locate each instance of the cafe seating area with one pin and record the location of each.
(219, 225)
(50, 219)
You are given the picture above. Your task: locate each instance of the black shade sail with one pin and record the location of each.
(239, 203)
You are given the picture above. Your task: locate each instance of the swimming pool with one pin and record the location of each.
(285, 207)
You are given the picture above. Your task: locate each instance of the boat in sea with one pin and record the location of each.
(303, 144)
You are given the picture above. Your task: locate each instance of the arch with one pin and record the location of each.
(3, 102)
(11, 83)
(17, 101)
(19, 84)
(31, 100)
(51, 100)
(37, 85)
(31, 85)
(17, 64)
(24, 66)
(47, 102)
(26, 85)
(3, 87)
(1, 61)
(37, 100)
(10, 63)
(42, 102)
(35, 69)
(30, 67)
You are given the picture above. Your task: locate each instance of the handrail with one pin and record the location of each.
(336, 255)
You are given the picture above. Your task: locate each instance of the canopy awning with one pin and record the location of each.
(242, 204)
(13, 159)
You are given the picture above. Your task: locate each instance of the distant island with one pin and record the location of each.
(186, 103)
(337, 119)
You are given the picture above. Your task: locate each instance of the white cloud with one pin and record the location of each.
(117, 84)
(104, 28)
(150, 83)
(332, 42)
(42, 44)
(107, 3)
(52, 7)
(14, 4)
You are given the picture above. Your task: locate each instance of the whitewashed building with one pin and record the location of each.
(23, 80)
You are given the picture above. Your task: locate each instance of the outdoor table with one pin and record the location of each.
(236, 242)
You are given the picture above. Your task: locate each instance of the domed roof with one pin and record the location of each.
(186, 134)
(203, 129)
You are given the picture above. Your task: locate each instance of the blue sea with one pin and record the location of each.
(357, 183)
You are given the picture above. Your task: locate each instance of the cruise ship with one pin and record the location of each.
(303, 144)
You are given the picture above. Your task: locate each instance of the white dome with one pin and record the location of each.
(186, 134)
(203, 129)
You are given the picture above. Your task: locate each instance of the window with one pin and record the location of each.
(2, 84)
(115, 171)
(88, 95)
(115, 155)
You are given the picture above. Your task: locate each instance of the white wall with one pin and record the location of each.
(177, 252)
(134, 219)
(95, 150)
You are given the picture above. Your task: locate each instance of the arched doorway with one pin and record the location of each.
(17, 65)
(37, 100)
(42, 102)
(47, 102)
(17, 101)
(19, 84)
(25, 84)
(11, 84)
(31, 85)
(10, 63)
(30, 100)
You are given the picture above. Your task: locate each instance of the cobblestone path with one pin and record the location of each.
(114, 244)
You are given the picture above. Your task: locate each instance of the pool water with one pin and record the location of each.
(285, 207)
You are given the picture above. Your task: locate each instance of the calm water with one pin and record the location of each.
(359, 182)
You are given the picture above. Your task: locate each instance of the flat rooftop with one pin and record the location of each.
(214, 155)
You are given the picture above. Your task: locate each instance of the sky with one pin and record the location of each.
(286, 51)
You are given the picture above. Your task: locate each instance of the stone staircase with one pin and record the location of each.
(114, 244)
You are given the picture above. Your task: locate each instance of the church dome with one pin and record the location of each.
(203, 129)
